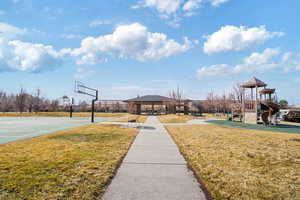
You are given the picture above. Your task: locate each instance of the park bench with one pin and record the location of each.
(134, 121)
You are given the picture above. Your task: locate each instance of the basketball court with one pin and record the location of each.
(17, 128)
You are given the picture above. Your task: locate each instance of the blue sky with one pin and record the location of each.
(132, 47)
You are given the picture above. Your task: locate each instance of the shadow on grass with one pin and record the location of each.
(147, 127)
(140, 127)
(284, 128)
(79, 137)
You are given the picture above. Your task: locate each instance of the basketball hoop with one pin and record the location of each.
(68, 102)
(81, 88)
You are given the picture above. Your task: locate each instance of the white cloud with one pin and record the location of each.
(129, 41)
(216, 3)
(214, 70)
(256, 62)
(190, 6)
(164, 7)
(24, 56)
(9, 32)
(232, 38)
(291, 61)
(31, 57)
(174, 10)
(96, 23)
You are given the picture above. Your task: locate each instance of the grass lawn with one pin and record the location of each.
(285, 128)
(239, 164)
(72, 164)
(174, 118)
(59, 114)
(125, 118)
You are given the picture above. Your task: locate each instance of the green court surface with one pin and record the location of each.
(279, 128)
(17, 128)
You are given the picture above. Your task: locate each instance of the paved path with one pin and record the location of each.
(154, 169)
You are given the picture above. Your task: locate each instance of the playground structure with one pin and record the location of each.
(258, 106)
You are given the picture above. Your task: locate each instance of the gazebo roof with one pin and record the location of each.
(150, 98)
(254, 82)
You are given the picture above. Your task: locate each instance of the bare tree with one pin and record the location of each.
(20, 100)
(54, 105)
(210, 102)
(118, 106)
(37, 100)
(237, 93)
(30, 103)
(177, 96)
(83, 106)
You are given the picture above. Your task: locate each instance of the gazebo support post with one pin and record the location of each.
(152, 109)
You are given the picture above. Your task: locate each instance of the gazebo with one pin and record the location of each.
(169, 104)
(135, 104)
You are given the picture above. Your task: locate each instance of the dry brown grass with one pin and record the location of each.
(125, 118)
(241, 164)
(72, 164)
(175, 118)
(58, 114)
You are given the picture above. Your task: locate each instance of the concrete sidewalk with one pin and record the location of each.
(154, 169)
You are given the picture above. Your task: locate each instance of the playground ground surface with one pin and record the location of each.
(239, 164)
(285, 128)
(71, 164)
(17, 128)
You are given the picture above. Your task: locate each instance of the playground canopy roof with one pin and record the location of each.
(150, 98)
(268, 91)
(254, 82)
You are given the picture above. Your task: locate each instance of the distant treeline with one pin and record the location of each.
(24, 101)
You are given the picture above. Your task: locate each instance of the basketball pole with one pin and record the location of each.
(93, 107)
(71, 107)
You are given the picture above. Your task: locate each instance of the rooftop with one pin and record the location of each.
(149, 98)
(254, 82)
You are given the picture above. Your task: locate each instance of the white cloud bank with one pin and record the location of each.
(232, 38)
(254, 63)
(132, 41)
(176, 9)
(24, 56)
(268, 60)
(129, 41)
